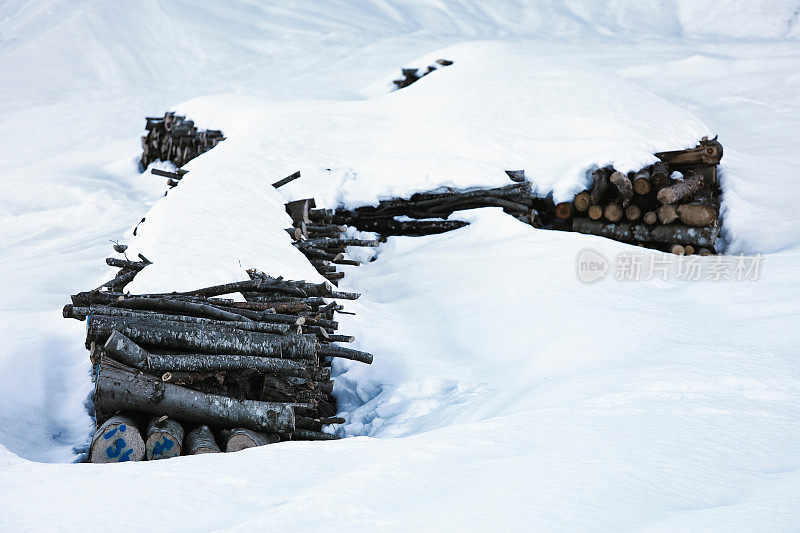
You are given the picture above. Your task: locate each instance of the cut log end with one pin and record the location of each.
(116, 441)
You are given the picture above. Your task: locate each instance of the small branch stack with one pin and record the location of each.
(425, 213)
(324, 244)
(173, 138)
(222, 374)
(410, 75)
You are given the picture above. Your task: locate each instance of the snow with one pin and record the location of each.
(504, 391)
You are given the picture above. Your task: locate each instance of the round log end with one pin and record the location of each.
(595, 212)
(613, 212)
(118, 440)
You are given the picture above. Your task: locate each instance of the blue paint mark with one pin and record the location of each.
(126, 456)
(122, 427)
(109, 434)
(114, 451)
(161, 446)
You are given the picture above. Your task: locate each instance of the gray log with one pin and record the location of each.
(600, 182)
(201, 440)
(116, 441)
(287, 179)
(624, 187)
(164, 438)
(118, 387)
(176, 336)
(177, 306)
(126, 264)
(305, 434)
(240, 439)
(82, 312)
(128, 352)
(643, 233)
(681, 190)
(345, 353)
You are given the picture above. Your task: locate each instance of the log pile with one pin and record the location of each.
(173, 138)
(410, 75)
(672, 205)
(425, 213)
(653, 207)
(191, 372)
(324, 244)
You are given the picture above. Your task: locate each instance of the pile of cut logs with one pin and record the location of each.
(323, 243)
(173, 138)
(221, 373)
(671, 205)
(425, 213)
(410, 75)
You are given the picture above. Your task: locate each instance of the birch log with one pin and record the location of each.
(118, 387)
(240, 439)
(116, 441)
(164, 438)
(201, 440)
(129, 353)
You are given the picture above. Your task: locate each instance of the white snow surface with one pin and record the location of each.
(504, 392)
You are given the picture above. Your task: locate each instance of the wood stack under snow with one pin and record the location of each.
(185, 373)
(175, 139)
(671, 205)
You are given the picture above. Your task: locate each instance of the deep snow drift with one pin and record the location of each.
(524, 397)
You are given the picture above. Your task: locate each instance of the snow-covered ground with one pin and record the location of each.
(505, 392)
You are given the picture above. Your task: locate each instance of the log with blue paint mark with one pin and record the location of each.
(118, 440)
(164, 438)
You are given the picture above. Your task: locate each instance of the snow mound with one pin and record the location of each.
(499, 106)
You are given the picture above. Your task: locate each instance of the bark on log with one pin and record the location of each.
(595, 212)
(240, 439)
(126, 264)
(116, 441)
(681, 190)
(624, 187)
(178, 306)
(697, 214)
(345, 353)
(201, 440)
(667, 214)
(82, 312)
(659, 176)
(164, 438)
(641, 182)
(174, 336)
(613, 212)
(120, 387)
(123, 278)
(287, 179)
(128, 352)
(643, 233)
(305, 434)
(600, 182)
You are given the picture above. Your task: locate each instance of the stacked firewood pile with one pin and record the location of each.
(425, 213)
(186, 373)
(672, 205)
(324, 244)
(410, 75)
(173, 138)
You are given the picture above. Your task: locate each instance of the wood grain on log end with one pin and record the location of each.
(116, 441)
